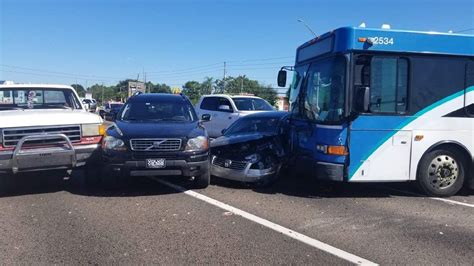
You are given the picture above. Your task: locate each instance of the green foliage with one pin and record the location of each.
(193, 89)
(244, 85)
(160, 88)
(79, 89)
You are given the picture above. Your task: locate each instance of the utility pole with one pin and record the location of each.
(241, 83)
(146, 86)
(223, 89)
(102, 92)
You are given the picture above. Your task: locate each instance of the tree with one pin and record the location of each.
(104, 93)
(192, 89)
(242, 85)
(161, 88)
(79, 89)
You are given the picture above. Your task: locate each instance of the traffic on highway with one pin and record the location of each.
(366, 158)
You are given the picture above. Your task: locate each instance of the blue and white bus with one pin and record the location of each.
(381, 105)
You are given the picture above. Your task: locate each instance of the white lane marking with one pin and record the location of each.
(283, 230)
(433, 198)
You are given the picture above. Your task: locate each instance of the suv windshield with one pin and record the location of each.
(37, 98)
(177, 111)
(252, 104)
(246, 125)
(325, 81)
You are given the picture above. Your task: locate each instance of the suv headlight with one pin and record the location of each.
(111, 143)
(197, 144)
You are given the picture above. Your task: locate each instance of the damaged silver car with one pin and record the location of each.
(252, 150)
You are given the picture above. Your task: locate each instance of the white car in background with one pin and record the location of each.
(226, 109)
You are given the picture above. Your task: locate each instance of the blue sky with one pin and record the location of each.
(175, 41)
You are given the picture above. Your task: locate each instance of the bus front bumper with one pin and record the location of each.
(329, 171)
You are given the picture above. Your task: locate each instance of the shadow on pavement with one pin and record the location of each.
(306, 187)
(55, 181)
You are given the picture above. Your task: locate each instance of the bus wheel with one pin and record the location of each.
(441, 173)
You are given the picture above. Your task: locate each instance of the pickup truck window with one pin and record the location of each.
(252, 104)
(213, 103)
(32, 98)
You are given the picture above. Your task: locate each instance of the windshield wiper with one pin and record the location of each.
(11, 108)
(169, 119)
(57, 106)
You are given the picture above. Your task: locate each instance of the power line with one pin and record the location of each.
(464, 30)
(56, 72)
(261, 59)
(185, 69)
(207, 66)
(52, 75)
(263, 64)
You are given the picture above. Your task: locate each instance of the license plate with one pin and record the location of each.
(155, 163)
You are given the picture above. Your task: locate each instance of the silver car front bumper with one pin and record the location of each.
(37, 159)
(245, 175)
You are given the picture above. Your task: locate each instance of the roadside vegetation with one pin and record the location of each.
(193, 89)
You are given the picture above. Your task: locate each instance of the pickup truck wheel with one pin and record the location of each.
(3, 184)
(441, 173)
(202, 181)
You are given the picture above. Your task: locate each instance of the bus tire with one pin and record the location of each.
(441, 172)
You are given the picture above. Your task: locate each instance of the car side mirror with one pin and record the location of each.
(281, 78)
(362, 99)
(205, 118)
(110, 117)
(224, 108)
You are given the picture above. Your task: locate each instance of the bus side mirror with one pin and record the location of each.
(362, 99)
(281, 78)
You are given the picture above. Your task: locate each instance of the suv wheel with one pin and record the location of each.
(441, 173)
(202, 181)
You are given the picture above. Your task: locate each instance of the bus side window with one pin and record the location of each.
(388, 85)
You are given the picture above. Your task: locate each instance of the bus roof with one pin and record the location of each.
(358, 39)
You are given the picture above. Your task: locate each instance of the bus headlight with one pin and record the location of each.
(197, 144)
(111, 143)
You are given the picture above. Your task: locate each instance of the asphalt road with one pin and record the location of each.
(49, 220)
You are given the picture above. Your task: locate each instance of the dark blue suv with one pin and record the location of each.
(156, 135)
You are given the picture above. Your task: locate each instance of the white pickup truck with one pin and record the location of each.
(45, 127)
(226, 109)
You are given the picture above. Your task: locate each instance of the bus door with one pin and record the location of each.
(380, 145)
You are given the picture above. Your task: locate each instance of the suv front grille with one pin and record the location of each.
(234, 165)
(11, 136)
(155, 144)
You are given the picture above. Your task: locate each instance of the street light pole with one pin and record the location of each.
(308, 27)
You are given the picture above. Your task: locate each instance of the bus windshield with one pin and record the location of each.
(325, 79)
